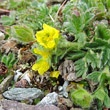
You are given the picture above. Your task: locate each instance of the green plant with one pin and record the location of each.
(9, 60)
(90, 49)
(81, 97)
(31, 13)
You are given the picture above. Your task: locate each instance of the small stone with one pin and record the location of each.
(2, 36)
(20, 94)
(17, 75)
(64, 91)
(60, 88)
(13, 105)
(51, 98)
(5, 83)
(63, 107)
(66, 102)
(21, 84)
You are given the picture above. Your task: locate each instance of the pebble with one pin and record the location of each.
(63, 92)
(2, 36)
(51, 98)
(14, 105)
(20, 94)
(66, 102)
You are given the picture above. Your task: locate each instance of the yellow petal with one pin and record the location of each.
(51, 45)
(54, 74)
(47, 36)
(41, 66)
(43, 53)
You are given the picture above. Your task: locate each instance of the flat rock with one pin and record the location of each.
(5, 83)
(51, 98)
(20, 94)
(13, 105)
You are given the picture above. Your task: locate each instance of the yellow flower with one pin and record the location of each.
(41, 66)
(54, 74)
(43, 53)
(47, 36)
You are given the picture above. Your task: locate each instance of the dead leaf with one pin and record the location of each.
(8, 45)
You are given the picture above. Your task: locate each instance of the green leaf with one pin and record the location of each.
(97, 44)
(8, 20)
(23, 33)
(99, 105)
(81, 68)
(75, 55)
(9, 60)
(81, 37)
(107, 100)
(101, 6)
(94, 76)
(91, 59)
(36, 101)
(75, 23)
(108, 4)
(105, 56)
(103, 31)
(82, 97)
(100, 94)
(4, 59)
(14, 4)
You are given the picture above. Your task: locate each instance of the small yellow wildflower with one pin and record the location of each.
(41, 66)
(54, 74)
(43, 53)
(47, 36)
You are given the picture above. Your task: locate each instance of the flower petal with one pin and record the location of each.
(54, 74)
(47, 37)
(43, 53)
(41, 66)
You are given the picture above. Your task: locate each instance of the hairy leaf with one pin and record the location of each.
(105, 56)
(100, 94)
(81, 68)
(103, 32)
(81, 97)
(23, 33)
(94, 76)
(8, 20)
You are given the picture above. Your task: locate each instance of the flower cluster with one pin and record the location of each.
(48, 39)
